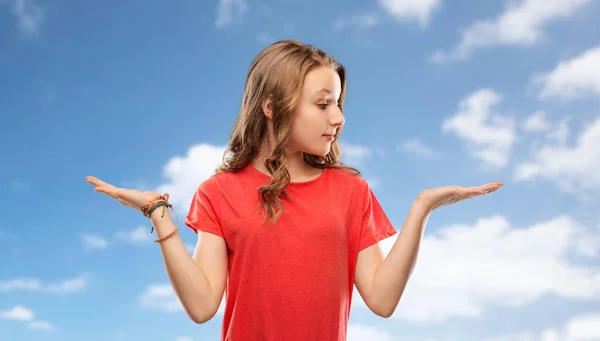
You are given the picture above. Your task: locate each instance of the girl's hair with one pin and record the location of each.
(279, 71)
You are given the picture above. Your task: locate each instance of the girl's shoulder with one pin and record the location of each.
(347, 177)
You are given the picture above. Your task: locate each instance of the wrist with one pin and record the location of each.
(161, 221)
(422, 205)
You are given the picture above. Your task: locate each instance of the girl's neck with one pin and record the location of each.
(298, 168)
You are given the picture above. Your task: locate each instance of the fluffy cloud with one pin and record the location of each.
(573, 168)
(41, 325)
(229, 10)
(67, 286)
(578, 328)
(357, 332)
(93, 242)
(537, 122)
(489, 135)
(409, 10)
(28, 14)
(574, 78)
(24, 314)
(521, 23)
(464, 269)
(17, 313)
(416, 146)
(139, 235)
(162, 297)
(184, 174)
(354, 154)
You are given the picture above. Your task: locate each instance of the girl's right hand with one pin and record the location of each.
(128, 197)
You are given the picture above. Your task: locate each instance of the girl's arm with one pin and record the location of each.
(198, 281)
(380, 281)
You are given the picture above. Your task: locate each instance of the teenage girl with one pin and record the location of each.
(285, 229)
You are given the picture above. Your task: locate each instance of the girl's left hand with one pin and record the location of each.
(435, 198)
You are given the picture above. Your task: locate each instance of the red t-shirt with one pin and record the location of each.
(292, 280)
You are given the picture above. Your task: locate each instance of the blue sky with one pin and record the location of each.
(144, 94)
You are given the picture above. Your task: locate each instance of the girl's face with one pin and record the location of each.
(318, 116)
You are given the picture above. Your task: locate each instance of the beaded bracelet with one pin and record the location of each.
(162, 239)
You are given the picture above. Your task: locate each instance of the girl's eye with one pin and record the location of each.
(322, 106)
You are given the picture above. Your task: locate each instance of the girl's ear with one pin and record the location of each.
(267, 106)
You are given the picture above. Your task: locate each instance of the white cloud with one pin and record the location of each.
(68, 286)
(354, 154)
(20, 284)
(521, 23)
(573, 169)
(184, 174)
(489, 135)
(574, 78)
(184, 338)
(578, 328)
(64, 287)
(140, 234)
(416, 146)
(408, 10)
(29, 15)
(24, 314)
(228, 9)
(537, 122)
(41, 325)
(162, 297)
(357, 332)
(362, 20)
(463, 270)
(18, 313)
(93, 242)
(560, 133)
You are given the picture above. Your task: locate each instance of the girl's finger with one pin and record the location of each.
(111, 192)
(97, 182)
(492, 188)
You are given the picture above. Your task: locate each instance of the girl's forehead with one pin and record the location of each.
(322, 81)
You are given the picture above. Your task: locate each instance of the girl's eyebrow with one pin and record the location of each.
(326, 90)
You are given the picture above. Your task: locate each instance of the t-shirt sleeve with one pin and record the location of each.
(203, 214)
(375, 223)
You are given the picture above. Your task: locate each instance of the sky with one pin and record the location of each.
(144, 95)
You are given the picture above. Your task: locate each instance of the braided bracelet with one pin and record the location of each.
(162, 239)
(152, 205)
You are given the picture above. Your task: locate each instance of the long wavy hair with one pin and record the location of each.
(278, 70)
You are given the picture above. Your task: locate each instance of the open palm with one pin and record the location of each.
(129, 197)
(447, 195)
